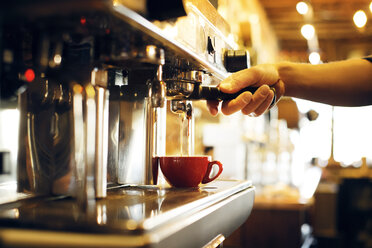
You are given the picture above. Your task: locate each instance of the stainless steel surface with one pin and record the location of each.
(216, 242)
(182, 107)
(193, 76)
(150, 29)
(179, 90)
(100, 81)
(101, 143)
(143, 216)
(154, 143)
(79, 153)
(141, 137)
(141, 44)
(155, 130)
(113, 140)
(102, 73)
(158, 90)
(44, 159)
(185, 113)
(132, 140)
(9, 194)
(89, 150)
(183, 84)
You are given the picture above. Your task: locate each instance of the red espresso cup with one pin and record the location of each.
(188, 171)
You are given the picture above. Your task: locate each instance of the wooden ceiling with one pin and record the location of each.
(333, 20)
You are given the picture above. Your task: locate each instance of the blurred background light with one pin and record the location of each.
(308, 31)
(302, 8)
(314, 58)
(360, 18)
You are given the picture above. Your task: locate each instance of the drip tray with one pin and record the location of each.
(132, 216)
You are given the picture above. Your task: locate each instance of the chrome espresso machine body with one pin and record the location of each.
(95, 82)
(90, 80)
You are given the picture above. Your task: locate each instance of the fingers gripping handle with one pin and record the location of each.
(214, 93)
(206, 178)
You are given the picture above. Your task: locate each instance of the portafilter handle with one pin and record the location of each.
(214, 93)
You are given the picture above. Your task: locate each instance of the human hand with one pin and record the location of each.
(261, 76)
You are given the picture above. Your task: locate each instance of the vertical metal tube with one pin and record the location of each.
(79, 145)
(90, 141)
(150, 144)
(100, 173)
(100, 82)
(153, 122)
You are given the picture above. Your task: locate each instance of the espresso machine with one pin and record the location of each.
(91, 81)
(94, 92)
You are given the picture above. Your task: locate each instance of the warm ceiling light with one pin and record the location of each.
(308, 31)
(314, 58)
(302, 8)
(370, 7)
(360, 18)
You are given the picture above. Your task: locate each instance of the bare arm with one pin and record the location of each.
(343, 83)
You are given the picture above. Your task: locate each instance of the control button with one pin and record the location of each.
(236, 60)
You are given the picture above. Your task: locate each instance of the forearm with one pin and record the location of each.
(343, 83)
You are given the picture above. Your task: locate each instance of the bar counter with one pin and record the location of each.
(130, 216)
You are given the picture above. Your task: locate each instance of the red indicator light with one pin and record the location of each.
(108, 31)
(83, 21)
(29, 75)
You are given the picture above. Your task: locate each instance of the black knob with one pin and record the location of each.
(165, 9)
(236, 60)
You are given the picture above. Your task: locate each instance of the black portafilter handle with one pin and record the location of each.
(214, 93)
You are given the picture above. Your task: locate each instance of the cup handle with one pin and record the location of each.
(206, 178)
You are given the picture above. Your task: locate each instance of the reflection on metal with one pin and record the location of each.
(153, 31)
(141, 137)
(79, 144)
(101, 213)
(138, 216)
(69, 121)
(113, 141)
(44, 159)
(132, 140)
(8, 194)
(100, 80)
(216, 242)
(33, 155)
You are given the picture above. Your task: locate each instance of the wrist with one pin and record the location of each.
(289, 74)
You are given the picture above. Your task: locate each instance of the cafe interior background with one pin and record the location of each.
(310, 163)
(300, 153)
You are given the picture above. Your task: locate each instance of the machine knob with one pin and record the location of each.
(236, 60)
(165, 9)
